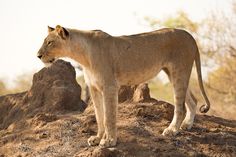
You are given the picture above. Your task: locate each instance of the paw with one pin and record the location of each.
(94, 140)
(186, 126)
(105, 143)
(169, 132)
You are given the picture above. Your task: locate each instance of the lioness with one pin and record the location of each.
(109, 62)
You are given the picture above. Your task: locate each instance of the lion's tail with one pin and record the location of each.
(204, 108)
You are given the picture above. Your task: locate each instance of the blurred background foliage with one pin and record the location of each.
(216, 38)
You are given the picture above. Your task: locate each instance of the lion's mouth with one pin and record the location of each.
(52, 60)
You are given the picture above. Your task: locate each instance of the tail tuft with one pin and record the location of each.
(204, 108)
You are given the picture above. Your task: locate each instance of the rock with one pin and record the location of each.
(43, 135)
(54, 90)
(141, 93)
(103, 152)
(136, 93)
(98, 152)
(167, 110)
(126, 93)
(158, 110)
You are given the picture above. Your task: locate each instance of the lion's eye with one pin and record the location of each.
(49, 43)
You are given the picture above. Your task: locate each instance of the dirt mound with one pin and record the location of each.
(136, 93)
(54, 89)
(48, 120)
(139, 134)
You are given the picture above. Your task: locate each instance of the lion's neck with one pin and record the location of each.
(79, 47)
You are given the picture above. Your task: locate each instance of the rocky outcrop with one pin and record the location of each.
(136, 93)
(54, 90)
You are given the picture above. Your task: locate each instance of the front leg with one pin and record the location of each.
(98, 107)
(110, 101)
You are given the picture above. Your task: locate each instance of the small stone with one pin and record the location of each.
(103, 152)
(43, 135)
(214, 129)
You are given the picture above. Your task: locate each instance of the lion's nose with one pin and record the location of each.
(40, 56)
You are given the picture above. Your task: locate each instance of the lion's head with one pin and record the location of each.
(54, 45)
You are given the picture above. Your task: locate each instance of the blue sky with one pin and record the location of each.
(24, 23)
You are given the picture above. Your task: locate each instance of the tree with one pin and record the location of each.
(216, 38)
(180, 20)
(223, 38)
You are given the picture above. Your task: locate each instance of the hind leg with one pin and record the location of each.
(179, 112)
(191, 104)
(180, 85)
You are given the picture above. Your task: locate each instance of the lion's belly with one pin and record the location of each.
(137, 67)
(136, 77)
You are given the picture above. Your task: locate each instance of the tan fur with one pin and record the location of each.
(110, 62)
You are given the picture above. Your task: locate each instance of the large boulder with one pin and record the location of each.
(54, 90)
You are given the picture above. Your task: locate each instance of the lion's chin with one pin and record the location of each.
(49, 62)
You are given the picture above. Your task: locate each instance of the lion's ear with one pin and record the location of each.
(50, 29)
(62, 32)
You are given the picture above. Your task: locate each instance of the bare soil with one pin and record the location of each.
(139, 135)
